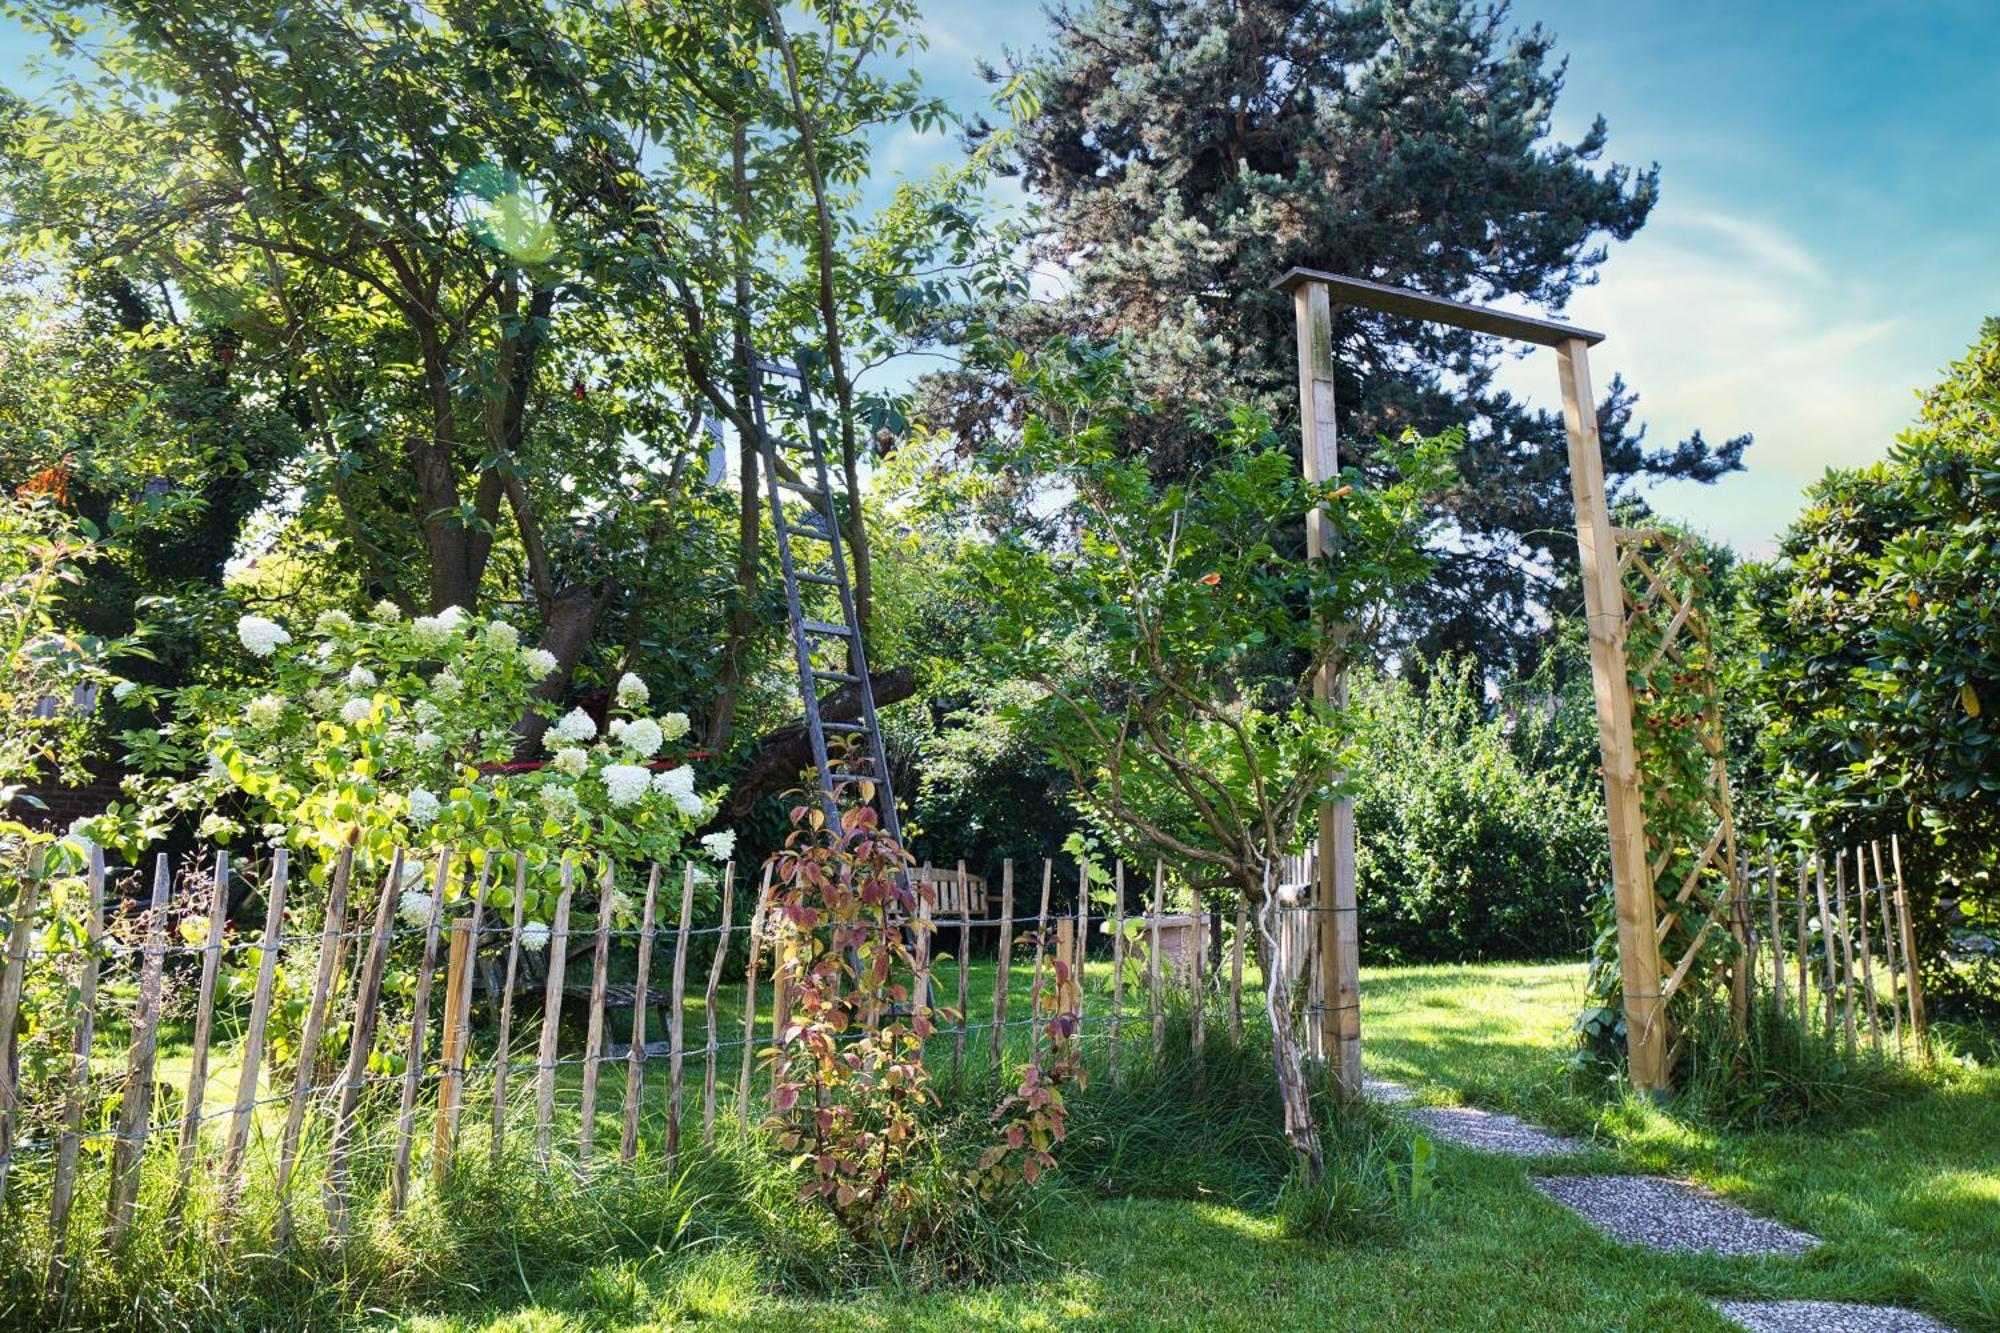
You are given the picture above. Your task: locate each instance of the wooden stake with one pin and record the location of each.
(964, 981)
(135, 1109)
(313, 1030)
(63, 1192)
(1804, 953)
(1777, 938)
(1041, 951)
(1117, 967)
(1236, 971)
(1082, 943)
(1195, 997)
(635, 1054)
(750, 1003)
(204, 1030)
(420, 1012)
(708, 1006)
(1867, 962)
(677, 1050)
(1826, 938)
(361, 1043)
(593, 1042)
(552, 999)
(1153, 974)
(1004, 962)
(1604, 613)
(781, 1002)
(1846, 949)
(1919, 1018)
(503, 1056)
(461, 969)
(1889, 946)
(20, 931)
(253, 1037)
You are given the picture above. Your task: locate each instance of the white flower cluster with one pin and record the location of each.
(642, 737)
(625, 784)
(673, 726)
(414, 906)
(576, 726)
(427, 742)
(540, 662)
(436, 631)
(361, 678)
(721, 846)
(356, 711)
(261, 636)
(264, 711)
(571, 760)
(632, 692)
(502, 636)
(534, 936)
(385, 612)
(423, 806)
(333, 622)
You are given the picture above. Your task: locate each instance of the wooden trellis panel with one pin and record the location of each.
(1691, 857)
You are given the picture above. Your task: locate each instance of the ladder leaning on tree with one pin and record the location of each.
(805, 508)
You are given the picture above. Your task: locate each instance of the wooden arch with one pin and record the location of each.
(1314, 295)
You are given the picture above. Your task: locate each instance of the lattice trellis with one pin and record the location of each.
(1692, 865)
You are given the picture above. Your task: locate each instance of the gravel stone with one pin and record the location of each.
(1491, 1131)
(1826, 1317)
(1387, 1091)
(1672, 1215)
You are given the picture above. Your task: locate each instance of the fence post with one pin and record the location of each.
(135, 1110)
(1004, 959)
(204, 1028)
(708, 1005)
(314, 1029)
(677, 1024)
(63, 1192)
(413, 1064)
(20, 930)
(635, 1054)
(503, 1055)
(253, 1038)
(552, 998)
(593, 1041)
(756, 940)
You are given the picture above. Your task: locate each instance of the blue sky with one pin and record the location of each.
(1828, 235)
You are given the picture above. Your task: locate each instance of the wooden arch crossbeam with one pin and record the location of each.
(1314, 294)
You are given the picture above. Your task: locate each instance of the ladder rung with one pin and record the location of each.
(858, 728)
(854, 777)
(844, 677)
(779, 368)
(823, 580)
(825, 627)
(817, 534)
(814, 493)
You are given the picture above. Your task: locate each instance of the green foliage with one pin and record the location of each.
(1379, 1179)
(1880, 639)
(1477, 838)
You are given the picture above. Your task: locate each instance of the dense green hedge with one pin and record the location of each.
(1480, 823)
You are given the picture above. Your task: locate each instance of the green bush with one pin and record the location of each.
(1479, 834)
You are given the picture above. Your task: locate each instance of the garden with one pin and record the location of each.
(620, 711)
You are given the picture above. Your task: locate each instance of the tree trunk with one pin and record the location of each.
(568, 622)
(1301, 1129)
(780, 755)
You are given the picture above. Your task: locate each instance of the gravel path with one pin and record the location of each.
(1386, 1091)
(1826, 1317)
(1671, 1215)
(1491, 1131)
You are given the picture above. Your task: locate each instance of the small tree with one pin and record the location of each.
(1176, 632)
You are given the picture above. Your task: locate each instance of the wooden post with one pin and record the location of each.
(1867, 962)
(361, 1042)
(420, 1012)
(1846, 949)
(781, 1002)
(1117, 968)
(135, 1109)
(1041, 950)
(1743, 970)
(635, 1054)
(750, 1003)
(677, 1052)
(503, 1054)
(1082, 945)
(204, 1031)
(708, 1005)
(1826, 939)
(552, 999)
(1777, 937)
(1919, 1017)
(20, 931)
(1004, 961)
(1154, 1002)
(253, 1037)
(1889, 946)
(453, 1030)
(1196, 997)
(313, 1029)
(921, 994)
(1236, 971)
(1804, 954)
(593, 1042)
(63, 1193)
(964, 981)
(1339, 938)
(1604, 609)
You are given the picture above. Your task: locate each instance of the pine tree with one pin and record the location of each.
(1185, 153)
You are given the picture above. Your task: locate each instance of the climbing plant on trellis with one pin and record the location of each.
(1691, 855)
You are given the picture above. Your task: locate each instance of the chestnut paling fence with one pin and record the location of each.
(158, 1056)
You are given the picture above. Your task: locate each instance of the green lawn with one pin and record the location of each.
(1908, 1201)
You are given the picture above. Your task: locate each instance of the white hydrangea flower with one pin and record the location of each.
(430, 632)
(423, 805)
(361, 678)
(447, 686)
(386, 611)
(692, 806)
(570, 760)
(323, 699)
(415, 906)
(333, 622)
(615, 728)
(261, 636)
(323, 650)
(502, 636)
(559, 800)
(625, 783)
(632, 691)
(425, 712)
(426, 741)
(675, 782)
(535, 936)
(721, 846)
(673, 726)
(217, 828)
(576, 725)
(218, 767)
(642, 738)
(356, 711)
(123, 690)
(453, 618)
(540, 662)
(264, 711)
